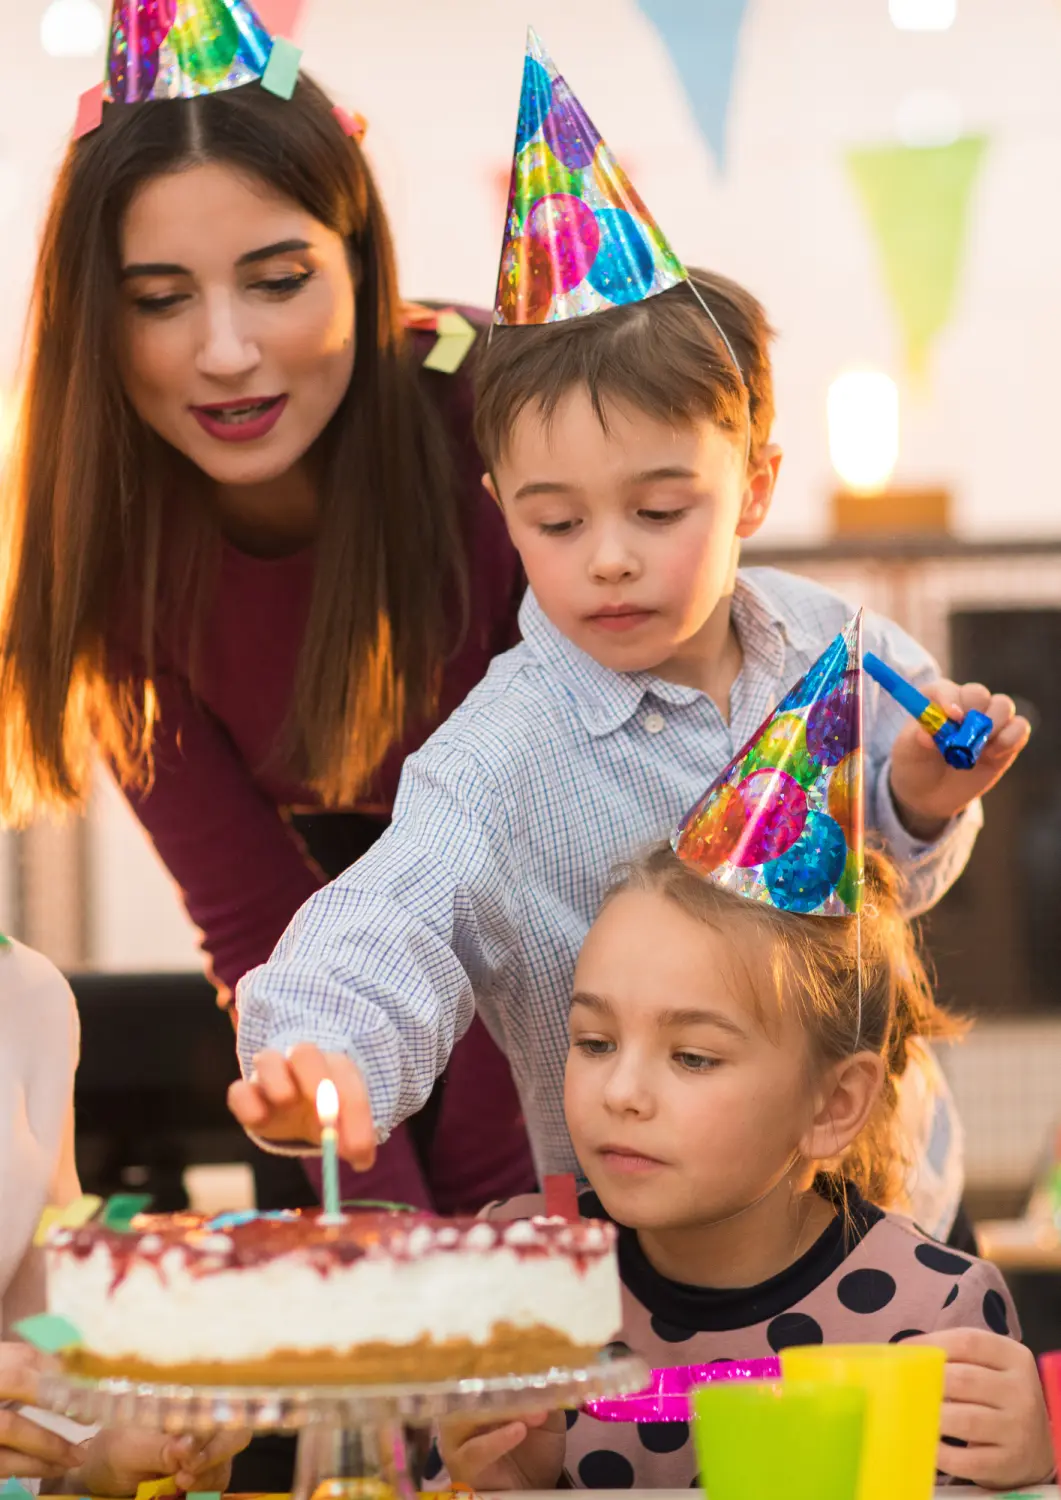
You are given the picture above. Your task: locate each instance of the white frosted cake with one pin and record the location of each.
(379, 1297)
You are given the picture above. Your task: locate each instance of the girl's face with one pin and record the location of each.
(682, 1106)
(237, 321)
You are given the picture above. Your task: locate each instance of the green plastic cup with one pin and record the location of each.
(904, 1394)
(764, 1440)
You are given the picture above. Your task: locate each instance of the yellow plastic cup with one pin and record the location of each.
(904, 1393)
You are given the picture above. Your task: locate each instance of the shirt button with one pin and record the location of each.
(653, 723)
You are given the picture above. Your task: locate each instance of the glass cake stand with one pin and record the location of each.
(355, 1442)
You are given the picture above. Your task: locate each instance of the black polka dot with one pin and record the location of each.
(951, 1295)
(995, 1312)
(604, 1470)
(663, 1437)
(791, 1329)
(905, 1333)
(866, 1291)
(725, 1360)
(696, 1482)
(953, 1442)
(570, 1417)
(943, 1261)
(433, 1464)
(670, 1333)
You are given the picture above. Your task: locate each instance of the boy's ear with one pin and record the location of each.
(491, 489)
(759, 490)
(849, 1091)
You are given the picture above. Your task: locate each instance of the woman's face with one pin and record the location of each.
(238, 333)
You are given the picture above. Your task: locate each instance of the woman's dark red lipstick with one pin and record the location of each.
(240, 421)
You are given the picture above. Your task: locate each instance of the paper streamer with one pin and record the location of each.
(666, 1397)
(703, 39)
(916, 201)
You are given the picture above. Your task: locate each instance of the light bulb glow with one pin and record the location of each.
(327, 1102)
(863, 415)
(73, 28)
(923, 15)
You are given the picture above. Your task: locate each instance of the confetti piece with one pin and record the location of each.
(354, 125)
(71, 1217)
(15, 1491)
(394, 1208)
(561, 1196)
(5, 942)
(204, 1495)
(121, 1209)
(48, 1332)
(89, 112)
(281, 73)
(455, 337)
(149, 1488)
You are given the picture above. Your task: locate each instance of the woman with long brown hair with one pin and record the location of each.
(251, 560)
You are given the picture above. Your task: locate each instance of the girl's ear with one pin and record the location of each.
(846, 1098)
(491, 489)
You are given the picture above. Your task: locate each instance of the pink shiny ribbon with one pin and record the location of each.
(666, 1397)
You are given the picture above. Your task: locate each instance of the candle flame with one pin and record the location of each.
(327, 1102)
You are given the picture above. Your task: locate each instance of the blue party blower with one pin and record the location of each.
(959, 742)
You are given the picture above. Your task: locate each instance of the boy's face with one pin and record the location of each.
(683, 1107)
(629, 535)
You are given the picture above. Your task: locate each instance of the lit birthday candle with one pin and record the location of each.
(959, 740)
(328, 1115)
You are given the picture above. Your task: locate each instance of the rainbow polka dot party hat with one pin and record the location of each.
(578, 238)
(177, 49)
(784, 823)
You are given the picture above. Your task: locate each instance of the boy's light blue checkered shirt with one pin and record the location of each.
(506, 826)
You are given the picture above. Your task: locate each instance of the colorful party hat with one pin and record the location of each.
(784, 822)
(578, 239)
(176, 49)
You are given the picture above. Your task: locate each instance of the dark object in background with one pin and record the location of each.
(995, 938)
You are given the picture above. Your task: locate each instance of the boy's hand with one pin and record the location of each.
(26, 1450)
(993, 1402)
(928, 792)
(279, 1101)
(523, 1455)
(117, 1459)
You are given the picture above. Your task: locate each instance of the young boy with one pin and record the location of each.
(618, 448)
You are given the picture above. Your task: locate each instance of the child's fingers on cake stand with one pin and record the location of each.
(527, 1453)
(279, 1100)
(204, 1466)
(31, 1452)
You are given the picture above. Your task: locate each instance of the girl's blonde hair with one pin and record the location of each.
(813, 964)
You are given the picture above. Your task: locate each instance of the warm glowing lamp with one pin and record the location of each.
(923, 15)
(862, 408)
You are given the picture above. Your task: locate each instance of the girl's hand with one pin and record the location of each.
(928, 792)
(992, 1402)
(523, 1455)
(26, 1450)
(279, 1101)
(118, 1459)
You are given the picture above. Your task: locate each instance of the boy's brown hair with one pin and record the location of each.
(662, 356)
(812, 963)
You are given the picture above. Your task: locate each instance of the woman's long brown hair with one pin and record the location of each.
(106, 518)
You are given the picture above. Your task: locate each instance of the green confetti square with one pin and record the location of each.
(281, 72)
(48, 1332)
(120, 1210)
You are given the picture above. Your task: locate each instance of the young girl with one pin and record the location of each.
(735, 1114)
(38, 1055)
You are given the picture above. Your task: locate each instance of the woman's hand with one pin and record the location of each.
(993, 1404)
(118, 1459)
(279, 1101)
(523, 1455)
(26, 1450)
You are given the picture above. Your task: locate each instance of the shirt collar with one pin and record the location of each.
(605, 700)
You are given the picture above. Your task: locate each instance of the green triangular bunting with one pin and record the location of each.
(916, 199)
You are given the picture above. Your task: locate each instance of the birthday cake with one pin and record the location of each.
(376, 1298)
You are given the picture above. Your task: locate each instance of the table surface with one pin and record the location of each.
(1046, 1491)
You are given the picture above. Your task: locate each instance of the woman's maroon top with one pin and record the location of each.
(215, 810)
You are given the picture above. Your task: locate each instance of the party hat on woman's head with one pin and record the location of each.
(784, 822)
(176, 49)
(578, 239)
